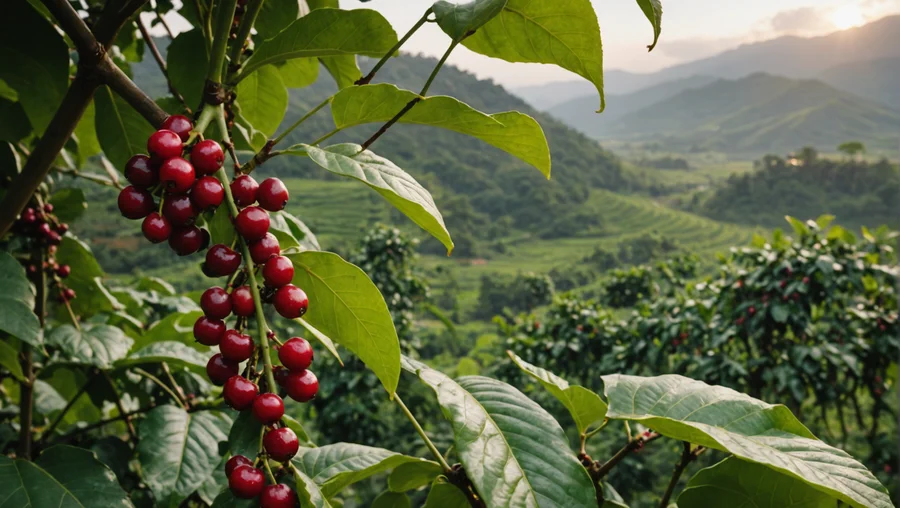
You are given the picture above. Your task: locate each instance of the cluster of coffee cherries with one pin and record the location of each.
(186, 189)
(38, 224)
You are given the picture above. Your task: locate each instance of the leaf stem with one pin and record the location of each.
(162, 385)
(248, 19)
(434, 451)
(168, 372)
(221, 33)
(368, 78)
(305, 117)
(437, 68)
(62, 414)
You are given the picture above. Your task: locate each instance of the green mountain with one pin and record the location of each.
(878, 80)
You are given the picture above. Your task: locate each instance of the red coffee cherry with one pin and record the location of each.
(264, 248)
(140, 172)
(239, 392)
(207, 157)
(234, 462)
(164, 144)
(222, 260)
(69, 294)
(272, 194)
(186, 240)
(280, 374)
(134, 203)
(208, 331)
(242, 301)
(236, 346)
(63, 271)
(177, 175)
(268, 408)
(179, 124)
(219, 370)
(290, 301)
(246, 482)
(62, 228)
(179, 210)
(244, 189)
(277, 496)
(296, 354)
(301, 386)
(278, 271)
(156, 228)
(216, 303)
(281, 444)
(252, 223)
(207, 193)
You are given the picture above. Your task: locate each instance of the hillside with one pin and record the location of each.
(878, 80)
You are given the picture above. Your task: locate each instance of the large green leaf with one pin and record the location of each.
(322, 338)
(564, 33)
(221, 229)
(97, 345)
(177, 327)
(177, 450)
(515, 133)
(185, 56)
(86, 134)
(263, 99)
(325, 32)
(174, 353)
(275, 16)
(333, 467)
(735, 482)
(299, 72)
(291, 232)
(444, 494)
(343, 68)
(308, 492)
(653, 10)
(9, 359)
(17, 316)
(412, 475)
(723, 419)
(585, 406)
(68, 204)
(459, 20)
(228, 500)
(245, 435)
(121, 130)
(391, 500)
(347, 306)
(394, 184)
(86, 278)
(514, 452)
(63, 477)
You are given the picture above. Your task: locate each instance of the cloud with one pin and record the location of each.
(801, 21)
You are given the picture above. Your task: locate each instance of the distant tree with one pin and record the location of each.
(852, 148)
(808, 155)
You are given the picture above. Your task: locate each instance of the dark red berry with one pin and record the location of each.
(278, 271)
(268, 408)
(164, 144)
(208, 331)
(216, 303)
(234, 462)
(179, 124)
(186, 240)
(177, 175)
(140, 172)
(264, 248)
(69, 294)
(236, 346)
(207, 157)
(48, 207)
(280, 373)
(246, 482)
(301, 386)
(239, 392)
(207, 193)
(222, 260)
(277, 496)
(252, 223)
(290, 301)
(63, 271)
(281, 444)
(219, 370)
(272, 194)
(296, 354)
(62, 228)
(135, 203)
(244, 189)
(242, 301)
(53, 238)
(179, 210)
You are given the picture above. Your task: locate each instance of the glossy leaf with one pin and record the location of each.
(412, 475)
(348, 307)
(344, 69)
(653, 10)
(68, 204)
(515, 133)
(228, 500)
(86, 135)
(723, 419)
(612, 498)
(275, 16)
(292, 232)
(97, 345)
(308, 492)
(299, 72)
(298, 429)
(444, 494)
(221, 229)
(17, 316)
(177, 327)
(245, 435)
(86, 278)
(263, 99)
(121, 130)
(382, 175)
(459, 20)
(174, 353)
(186, 54)
(9, 360)
(514, 452)
(391, 500)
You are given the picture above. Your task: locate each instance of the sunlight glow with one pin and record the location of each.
(848, 16)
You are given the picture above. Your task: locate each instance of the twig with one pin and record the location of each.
(162, 21)
(59, 418)
(635, 444)
(160, 61)
(96, 425)
(165, 368)
(687, 456)
(162, 385)
(26, 388)
(368, 77)
(248, 19)
(130, 426)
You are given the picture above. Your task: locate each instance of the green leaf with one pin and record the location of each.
(263, 99)
(177, 450)
(13, 280)
(343, 69)
(458, 20)
(221, 229)
(325, 32)
(175, 353)
(382, 175)
(68, 204)
(177, 327)
(275, 16)
(308, 492)
(444, 494)
(97, 345)
(653, 10)
(9, 359)
(292, 232)
(515, 133)
(7, 92)
(734, 482)
(514, 452)
(391, 500)
(298, 429)
(611, 498)
(723, 419)
(299, 72)
(333, 467)
(322, 338)
(86, 278)
(17, 316)
(245, 435)
(412, 475)
(349, 308)
(114, 453)
(14, 124)
(64, 477)
(86, 134)
(780, 313)
(122, 131)
(564, 33)
(227, 500)
(185, 56)
(585, 406)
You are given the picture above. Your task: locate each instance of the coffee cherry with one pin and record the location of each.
(48, 207)
(272, 194)
(242, 301)
(186, 240)
(244, 189)
(164, 144)
(135, 203)
(281, 444)
(290, 301)
(207, 157)
(222, 260)
(264, 248)
(239, 392)
(278, 271)
(236, 346)
(140, 172)
(216, 303)
(268, 408)
(280, 374)
(296, 354)
(179, 124)
(208, 331)
(219, 370)
(277, 496)
(44, 229)
(62, 228)
(179, 210)
(252, 223)
(156, 228)
(234, 462)
(69, 294)
(207, 193)
(301, 386)
(177, 175)
(246, 482)
(63, 271)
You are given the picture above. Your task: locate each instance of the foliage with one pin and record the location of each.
(523, 292)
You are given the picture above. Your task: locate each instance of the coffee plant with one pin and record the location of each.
(114, 398)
